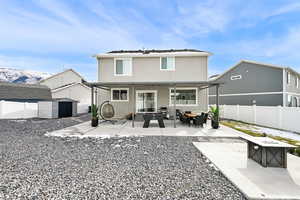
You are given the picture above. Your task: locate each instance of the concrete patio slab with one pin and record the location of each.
(124, 128)
(255, 181)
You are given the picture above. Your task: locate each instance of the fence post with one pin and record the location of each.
(24, 109)
(280, 110)
(254, 113)
(237, 112)
(1, 108)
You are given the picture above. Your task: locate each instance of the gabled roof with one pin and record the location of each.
(253, 62)
(62, 73)
(18, 91)
(153, 53)
(69, 85)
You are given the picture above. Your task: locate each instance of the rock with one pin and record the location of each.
(35, 166)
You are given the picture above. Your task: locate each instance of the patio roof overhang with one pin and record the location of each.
(201, 84)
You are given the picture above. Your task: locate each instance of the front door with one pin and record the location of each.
(146, 101)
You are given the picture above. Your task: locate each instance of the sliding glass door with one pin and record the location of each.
(146, 101)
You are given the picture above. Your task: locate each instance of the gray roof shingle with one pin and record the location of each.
(156, 51)
(17, 91)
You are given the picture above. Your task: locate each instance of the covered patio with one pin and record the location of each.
(171, 85)
(124, 129)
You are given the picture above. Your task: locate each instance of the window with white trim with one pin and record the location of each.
(119, 94)
(235, 77)
(184, 96)
(289, 101)
(123, 66)
(297, 82)
(288, 77)
(167, 63)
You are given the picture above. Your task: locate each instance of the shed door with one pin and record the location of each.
(64, 109)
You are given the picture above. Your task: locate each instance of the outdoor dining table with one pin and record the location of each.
(153, 116)
(191, 115)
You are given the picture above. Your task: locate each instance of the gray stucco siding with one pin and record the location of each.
(255, 79)
(261, 100)
(148, 69)
(126, 107)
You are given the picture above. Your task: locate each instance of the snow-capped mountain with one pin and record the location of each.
(21, 76)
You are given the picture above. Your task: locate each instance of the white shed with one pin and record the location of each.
(57, 108)
(69, 84)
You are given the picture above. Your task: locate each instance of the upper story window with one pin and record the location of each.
(119, 94)
(297, 82)
(123, 66)
(167, 63)
(288, 77)
(235, 77)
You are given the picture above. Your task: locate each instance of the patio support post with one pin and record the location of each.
(133, 106)
(92, 98)
(217, 99)
(174, 105)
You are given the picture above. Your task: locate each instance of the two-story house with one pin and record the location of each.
(249, 83)
(142, 81)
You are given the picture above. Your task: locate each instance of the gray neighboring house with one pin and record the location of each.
(249, 82)
(143, 81)
(24, 92)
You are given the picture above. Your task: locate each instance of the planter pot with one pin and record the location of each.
(95, 122)
(215, 124)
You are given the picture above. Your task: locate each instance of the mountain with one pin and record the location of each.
(21, 76)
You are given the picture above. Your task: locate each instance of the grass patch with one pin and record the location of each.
(237, 126)
(234, 124)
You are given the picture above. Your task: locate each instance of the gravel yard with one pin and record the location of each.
(34, 166)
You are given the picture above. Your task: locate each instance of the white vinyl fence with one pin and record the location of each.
(286, 118)
(23, 110)
(17, 110)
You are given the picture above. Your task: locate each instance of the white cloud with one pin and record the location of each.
(286, 8)
(202, 17)
(282, 50)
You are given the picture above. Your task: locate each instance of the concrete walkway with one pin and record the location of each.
(124, 128)
(255, 181)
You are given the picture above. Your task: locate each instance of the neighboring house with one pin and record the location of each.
(249, 83)
(143, 81)
(69, 84)
(24, 92)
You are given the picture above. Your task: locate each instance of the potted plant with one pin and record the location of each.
(95, 118)
(214, 116)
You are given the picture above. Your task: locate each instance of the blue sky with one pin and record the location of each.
(52, 35)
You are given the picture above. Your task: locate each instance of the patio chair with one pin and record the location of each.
(178, 112)
(107, 112)
(199, 120)
(205, 118)
(184, 119)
